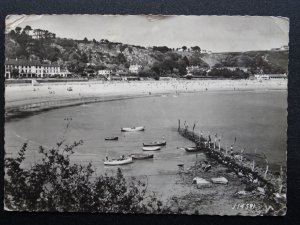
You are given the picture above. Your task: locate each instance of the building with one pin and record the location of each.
(190, 69)
(270, 76)
(233, 68)
(105, 73)
(22, 68)
(135, 68)
(284, 47)
(65, 73)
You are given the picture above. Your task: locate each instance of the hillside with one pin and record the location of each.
(268, 60)
(80, 56)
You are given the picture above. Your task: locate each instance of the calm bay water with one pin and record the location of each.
(257, 119)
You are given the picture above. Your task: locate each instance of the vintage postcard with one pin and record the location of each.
(146, 114)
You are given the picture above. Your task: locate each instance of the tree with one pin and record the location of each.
(196, 49)
(18, 30)
(121, 59)
(15, 73)
(122, 48)
(27, 29)
(184, 48)
(84, 58)
(56, 184)
(85, 40)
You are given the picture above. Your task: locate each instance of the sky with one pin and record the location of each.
(212, 33)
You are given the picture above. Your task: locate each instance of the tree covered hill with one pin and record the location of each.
(267, 61)
(82, 55)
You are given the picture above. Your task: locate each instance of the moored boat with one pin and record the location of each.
(142, 156)
(116, 162)
(132, 129)
(111, 138)
(155, 143)
(151, 148)
(191, 149)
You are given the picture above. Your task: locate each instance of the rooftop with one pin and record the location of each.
(25, 62)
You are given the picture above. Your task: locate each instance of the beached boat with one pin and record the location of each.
(132, 129)
(111, 138)
(155, 143)
(191, 149)
(151, 148)
(116, 162)
(142, 156)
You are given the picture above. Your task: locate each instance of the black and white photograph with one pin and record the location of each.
(146, 114)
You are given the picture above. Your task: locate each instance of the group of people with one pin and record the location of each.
(231, 153)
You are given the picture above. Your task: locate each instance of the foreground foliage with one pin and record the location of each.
(55, 184)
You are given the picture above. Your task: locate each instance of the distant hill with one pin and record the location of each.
(80, 55)
(276, 60)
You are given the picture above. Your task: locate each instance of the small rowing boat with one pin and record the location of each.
(116, 162)
(155, 143)
(111, 138)
(132, 129)
(191, 149)
(142, 156)
(151, 148)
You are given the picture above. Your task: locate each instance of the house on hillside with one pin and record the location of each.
(65, 73)
(23, 68)
(135, 68)
(106, 73)
(284, 47)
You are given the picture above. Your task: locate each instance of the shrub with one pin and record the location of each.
(55, 184)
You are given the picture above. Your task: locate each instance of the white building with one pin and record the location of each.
(135, 68)
(270, 76)
(105, 73)
(30, 68)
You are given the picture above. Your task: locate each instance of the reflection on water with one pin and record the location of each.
(257, 119)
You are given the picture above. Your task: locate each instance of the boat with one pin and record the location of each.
(69, 89)
(155, 143)
(111, 138)
(151, 148)
(142, 156)
(132, 129)
(116, 162)
(191, 149)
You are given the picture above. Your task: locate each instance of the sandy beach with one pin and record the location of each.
(50, 95)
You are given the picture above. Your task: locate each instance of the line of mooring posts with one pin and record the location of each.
(238, 164)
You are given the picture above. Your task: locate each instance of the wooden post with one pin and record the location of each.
(253, 165)
(241, 159)
(178, 124)
(199, 137)
(267, 167)
(266, 172)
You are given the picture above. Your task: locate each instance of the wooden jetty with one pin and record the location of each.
(243, 167)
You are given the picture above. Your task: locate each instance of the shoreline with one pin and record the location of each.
(22, 101)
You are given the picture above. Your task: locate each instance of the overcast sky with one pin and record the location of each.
(214, 33)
